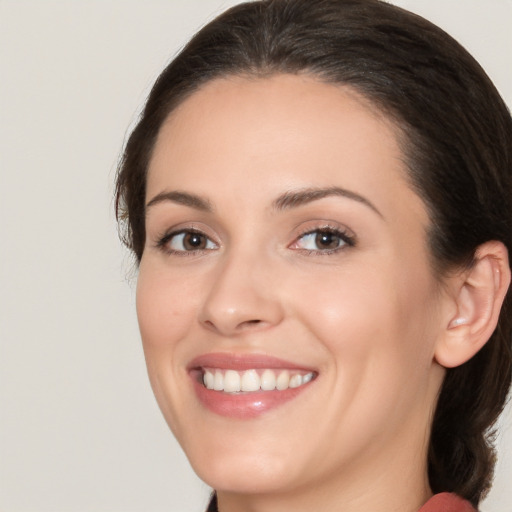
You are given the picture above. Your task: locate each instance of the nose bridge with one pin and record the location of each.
(241, 294)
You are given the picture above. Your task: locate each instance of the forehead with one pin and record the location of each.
(285, 131)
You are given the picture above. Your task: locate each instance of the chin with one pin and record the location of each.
(244, 479)
(250, 471)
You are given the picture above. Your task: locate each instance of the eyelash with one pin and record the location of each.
(345, 240)
(164, 240)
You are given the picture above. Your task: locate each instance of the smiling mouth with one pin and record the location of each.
(246, 386)
(254, 380)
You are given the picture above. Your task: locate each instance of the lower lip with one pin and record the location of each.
(244, 405)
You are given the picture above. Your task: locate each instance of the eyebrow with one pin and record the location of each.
(183, 198)
(288, 200)
(304, 196)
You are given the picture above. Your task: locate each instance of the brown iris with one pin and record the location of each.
(194, 241)
(327, 240)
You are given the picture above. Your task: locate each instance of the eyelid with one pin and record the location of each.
(346, 235)
(163, 240)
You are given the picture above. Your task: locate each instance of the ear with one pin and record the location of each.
(476, 295)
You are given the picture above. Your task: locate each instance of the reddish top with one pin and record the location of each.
(447, 502)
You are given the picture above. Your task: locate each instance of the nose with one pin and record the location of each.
(242, 297)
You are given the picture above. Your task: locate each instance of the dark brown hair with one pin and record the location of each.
(456, 136)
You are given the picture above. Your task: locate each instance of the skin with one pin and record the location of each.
(367, 317)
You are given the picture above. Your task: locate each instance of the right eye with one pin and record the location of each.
(187, 241)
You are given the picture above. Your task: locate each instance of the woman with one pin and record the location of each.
(318, 197)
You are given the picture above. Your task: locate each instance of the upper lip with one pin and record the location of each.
(241, 362)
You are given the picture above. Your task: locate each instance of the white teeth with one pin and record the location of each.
(250, 381)
(283, 380)
(232, 381)
(268, 380)
(218, 383)
(208, 380)
(306, 378)
(295, 381)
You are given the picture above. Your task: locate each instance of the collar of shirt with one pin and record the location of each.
(447, 502)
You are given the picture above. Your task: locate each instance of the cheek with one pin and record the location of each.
(379, 316)
(164, 309)
(379, 333)
(344, 307)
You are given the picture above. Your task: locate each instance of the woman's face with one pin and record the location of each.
(285, 248)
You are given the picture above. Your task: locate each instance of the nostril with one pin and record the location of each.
(232, 327)
(248, 324)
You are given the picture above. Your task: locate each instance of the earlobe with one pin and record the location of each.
(478, 294)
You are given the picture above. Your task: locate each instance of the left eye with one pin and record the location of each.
(189, 241)
(322, 240)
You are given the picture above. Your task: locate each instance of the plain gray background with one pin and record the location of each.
(79, 427)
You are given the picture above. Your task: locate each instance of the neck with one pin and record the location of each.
(390, 488)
